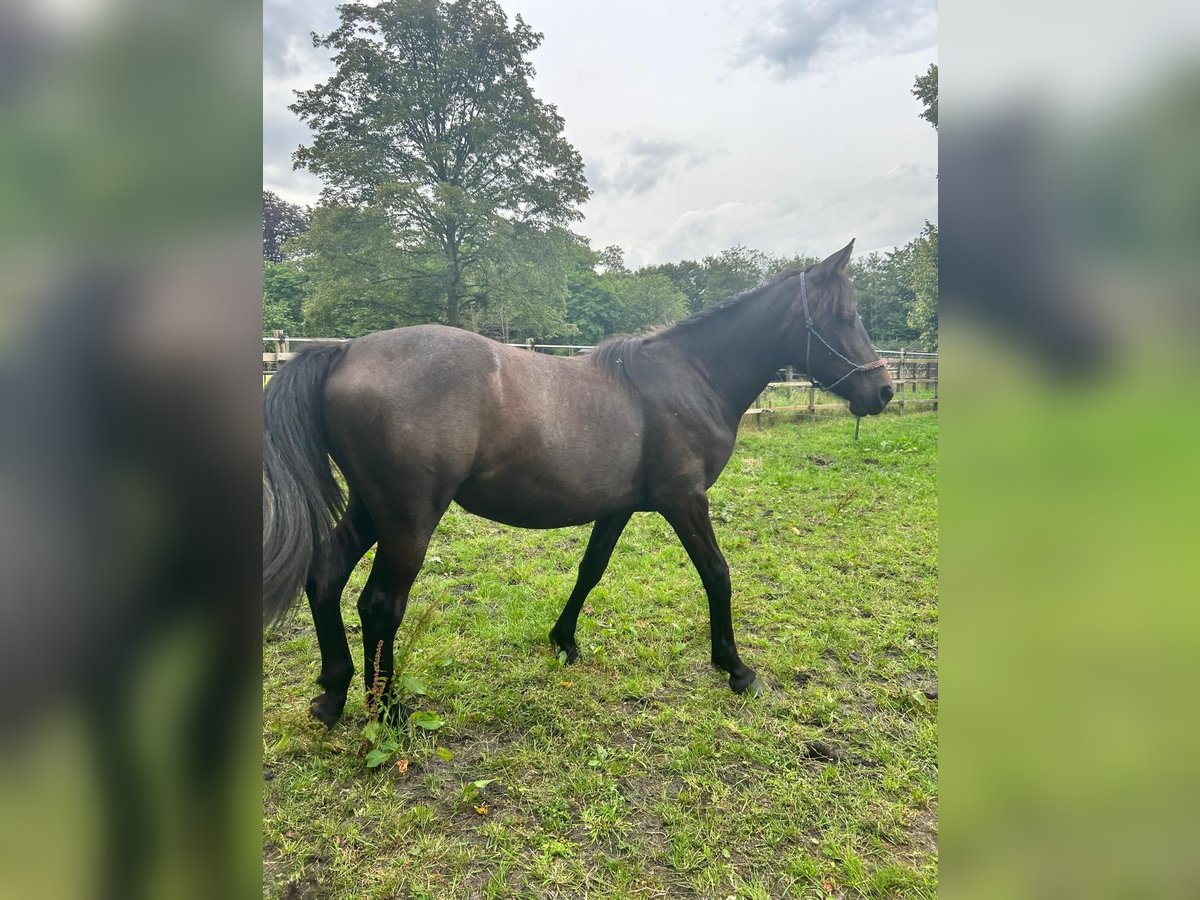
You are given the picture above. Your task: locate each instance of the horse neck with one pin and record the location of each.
(738, 351)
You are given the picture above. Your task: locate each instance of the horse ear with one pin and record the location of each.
(838, 261)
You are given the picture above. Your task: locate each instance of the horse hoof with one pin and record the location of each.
(571, 650)
(326, 709)
(748, 682)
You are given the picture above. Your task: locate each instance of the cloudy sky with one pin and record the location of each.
(783, 125)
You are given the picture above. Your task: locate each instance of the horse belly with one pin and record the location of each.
(552, 487)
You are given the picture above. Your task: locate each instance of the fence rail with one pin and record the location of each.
(914, 374)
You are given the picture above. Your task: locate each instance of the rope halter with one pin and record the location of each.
(811, 328)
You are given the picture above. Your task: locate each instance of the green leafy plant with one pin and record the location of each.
(384, 741)
(381, 739)
(471, 792)
(427, 720)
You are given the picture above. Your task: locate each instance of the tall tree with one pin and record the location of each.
(718, 277)
(923, 315)
(646, 300)
(616, 300)
(431, 117)
(592, 305)
(522, 284)
(733, 271)
(284, 290)
(360, 277)
(612, 258)
(689, 276)
(281, 221)
(925, 89)
(883, 286)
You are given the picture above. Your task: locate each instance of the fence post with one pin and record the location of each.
(900, 385)
(812, 399)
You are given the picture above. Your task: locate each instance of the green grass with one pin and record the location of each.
(637, 772)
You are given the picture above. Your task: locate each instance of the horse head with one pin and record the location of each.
(828, 342)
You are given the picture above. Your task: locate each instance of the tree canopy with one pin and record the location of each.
(360, 277)
(349, 274)
(923, 314)
(281, 221)
(431, 119)
(284, 290)
(925, 89)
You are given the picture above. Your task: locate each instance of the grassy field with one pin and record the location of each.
(636, 772)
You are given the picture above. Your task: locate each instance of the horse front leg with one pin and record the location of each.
(690, 520)
(600, 546)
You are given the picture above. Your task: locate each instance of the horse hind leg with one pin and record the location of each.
(383, 601)
(327, 579)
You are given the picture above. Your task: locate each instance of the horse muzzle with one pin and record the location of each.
(875, 405)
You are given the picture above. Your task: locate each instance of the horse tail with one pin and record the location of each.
(301, 497)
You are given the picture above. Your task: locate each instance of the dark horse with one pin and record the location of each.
(418, 417)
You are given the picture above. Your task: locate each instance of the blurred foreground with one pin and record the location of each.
(1070, 631)
(129, 299)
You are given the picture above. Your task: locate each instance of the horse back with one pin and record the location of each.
(515, 436)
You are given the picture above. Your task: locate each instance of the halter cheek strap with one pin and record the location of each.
(811, 328)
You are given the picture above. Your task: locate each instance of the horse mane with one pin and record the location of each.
(620, 354)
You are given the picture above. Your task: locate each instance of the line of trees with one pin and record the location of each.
(342, 275)
(449, 194)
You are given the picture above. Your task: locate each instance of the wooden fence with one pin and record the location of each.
(914, 374)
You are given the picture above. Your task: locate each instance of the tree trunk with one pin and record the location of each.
(452, 302)
(452, 286)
